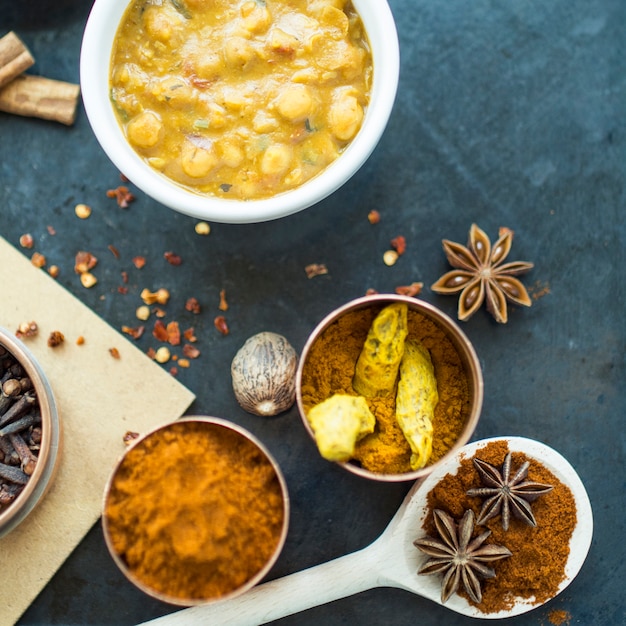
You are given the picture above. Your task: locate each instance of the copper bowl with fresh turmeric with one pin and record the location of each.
(195, 511)
(389, 387)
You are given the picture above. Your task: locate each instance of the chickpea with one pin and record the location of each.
(295, 102)
(345, 116)
(198, 161)
(145, 130)
(160, 22)
(255, 17)
(276, 160)
(230, 153)
(239, 53)
(177, 93)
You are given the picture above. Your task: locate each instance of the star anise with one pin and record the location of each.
(481, 275)
(507, 494)
(459, 557)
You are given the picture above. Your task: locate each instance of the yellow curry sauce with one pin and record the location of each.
(240, 99)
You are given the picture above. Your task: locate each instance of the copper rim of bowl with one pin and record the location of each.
(460, 341)
(215, 421)
(48, 456)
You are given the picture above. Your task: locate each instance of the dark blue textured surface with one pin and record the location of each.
(508, 114)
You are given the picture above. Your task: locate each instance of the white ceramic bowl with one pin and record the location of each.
(96, 49)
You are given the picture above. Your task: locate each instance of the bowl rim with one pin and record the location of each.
(251, 582)
(464, 347)
(99, 35)
(51, 429)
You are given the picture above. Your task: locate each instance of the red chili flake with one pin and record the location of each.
(192, 305)
(172, 259)
(223, 305)
(134, 332)
(191, 352)
(115, 353)
(122, 195)
(174, 371)
(221, 325)
(371, 292)
(412, 290)
(38, 260)
(56, 338)
(51, 230)
(160, 331)
(139, 262)
(190, 335)
(124, 178)
(151, 352)
(129, 437)
(114, 251)
(123, 290)
(27, 329)
(373, 216)
(27, 241)
(399, 244)
(315, 269)
(173, 333)
(125, 277)
(159, 312)
(84, 262)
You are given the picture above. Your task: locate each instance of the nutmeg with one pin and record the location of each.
(264, 374)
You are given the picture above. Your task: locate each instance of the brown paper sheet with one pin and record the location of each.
(99, 399)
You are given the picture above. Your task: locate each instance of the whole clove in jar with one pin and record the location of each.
(29, 432)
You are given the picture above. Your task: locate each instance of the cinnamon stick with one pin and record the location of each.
(36, 96)
(14, 58)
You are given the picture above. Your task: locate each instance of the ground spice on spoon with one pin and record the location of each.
(539, 554)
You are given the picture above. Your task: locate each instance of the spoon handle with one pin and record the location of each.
(339, 578)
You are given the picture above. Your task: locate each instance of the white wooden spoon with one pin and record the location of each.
(391, 561)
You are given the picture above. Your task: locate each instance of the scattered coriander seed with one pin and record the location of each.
(142, 313)
(82, 211)
(202, 228)
(161, 296)
(27, 241)
(38, 260)
(162, 355)
(88, 280)
(373, 217)
(390, 257)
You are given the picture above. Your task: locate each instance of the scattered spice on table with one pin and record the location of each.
(536, 567)
(330, 369)
(195, 511)
(315, 269)
(123, 196)
(55, 339)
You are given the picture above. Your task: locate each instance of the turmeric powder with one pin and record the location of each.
(330, 369)
(194, 511)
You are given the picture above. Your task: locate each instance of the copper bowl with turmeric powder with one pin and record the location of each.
(389, 387)
(195, 511)
(30, 432)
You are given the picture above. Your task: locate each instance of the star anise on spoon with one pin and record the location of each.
(482, 276)
(459, 557)
(506, 494)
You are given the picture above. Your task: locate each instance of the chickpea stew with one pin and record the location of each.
(240, 99)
